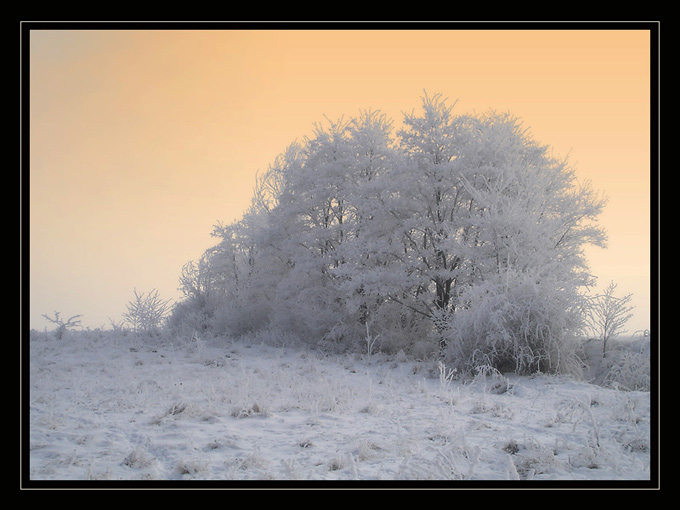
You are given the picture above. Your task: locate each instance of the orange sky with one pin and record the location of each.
(140, 141)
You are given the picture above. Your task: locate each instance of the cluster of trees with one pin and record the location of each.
(457, 234)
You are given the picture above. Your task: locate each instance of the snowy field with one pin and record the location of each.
(106, 406)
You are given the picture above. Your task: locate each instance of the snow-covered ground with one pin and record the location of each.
(108, 406)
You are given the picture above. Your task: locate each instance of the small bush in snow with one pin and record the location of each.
(63, 325)
(629, 372)
(139, 458)
(514, 322)
(146, 312)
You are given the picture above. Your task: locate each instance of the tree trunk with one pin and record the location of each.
(443, 292)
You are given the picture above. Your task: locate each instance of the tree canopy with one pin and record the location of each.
(458, 235)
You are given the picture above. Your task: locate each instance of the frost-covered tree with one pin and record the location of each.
(529, 221)
(244, 274)
(432, 206)
(476, 204)
(608, 314)
(316, 214)
(459, 232)
(196, 280)
(199, 284)
(373, 160)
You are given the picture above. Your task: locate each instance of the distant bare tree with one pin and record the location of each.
(608, 315)
(62, 326)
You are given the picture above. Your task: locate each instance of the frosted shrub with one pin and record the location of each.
(63, 325)
(139, 458)
(146, 312)
(190, 316)
(513, 324)
(629, 372)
